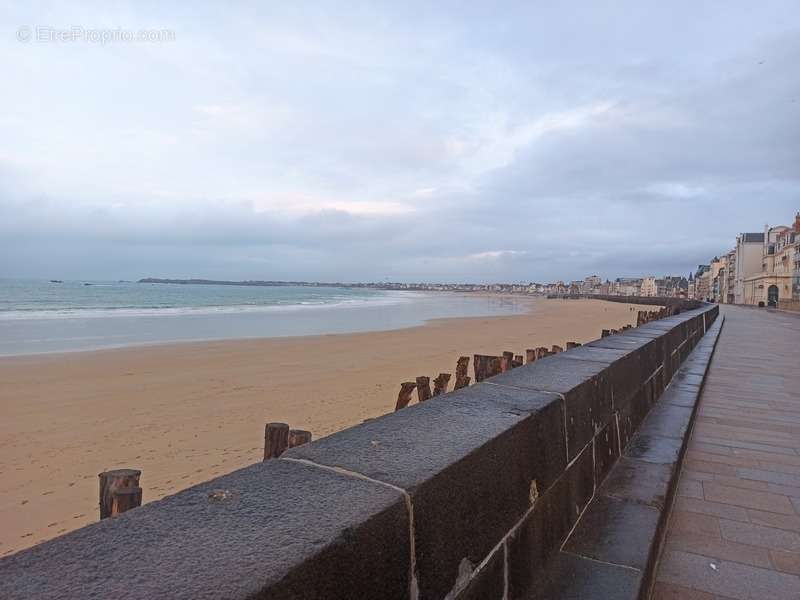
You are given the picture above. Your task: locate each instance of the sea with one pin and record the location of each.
(40, 316)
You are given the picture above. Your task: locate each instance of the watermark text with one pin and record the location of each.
(40, 34)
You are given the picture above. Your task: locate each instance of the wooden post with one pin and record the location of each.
(605, 333)
(423, 388)
(276, 440)
(486, 366)
(518, 361)
(298, 437)
(571, 345)
(462, 379)
(124, 499)
(404, 397)
(541, 352)
(480, 363)
(495, 366)
(557, 349)
(440, 383)
(111, 481)
(507, 362)
(530, 355)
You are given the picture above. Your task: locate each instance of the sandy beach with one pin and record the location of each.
(184, 413)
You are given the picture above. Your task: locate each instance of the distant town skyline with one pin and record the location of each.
(409, 142)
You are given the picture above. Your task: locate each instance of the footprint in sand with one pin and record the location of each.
(53, 524)
(24, 502)
(79, 516)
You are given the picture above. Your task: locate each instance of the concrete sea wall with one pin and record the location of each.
(469, 495)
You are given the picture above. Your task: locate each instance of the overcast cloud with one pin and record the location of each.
(338, 141)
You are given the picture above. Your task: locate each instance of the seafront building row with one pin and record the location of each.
(763, 269)
(668, 286)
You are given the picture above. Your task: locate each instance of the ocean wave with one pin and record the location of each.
(340, 302)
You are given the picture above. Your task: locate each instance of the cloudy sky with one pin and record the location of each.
(401, 141)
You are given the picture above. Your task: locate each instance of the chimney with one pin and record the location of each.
(797, 222)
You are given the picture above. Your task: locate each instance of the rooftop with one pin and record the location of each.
(752, 237)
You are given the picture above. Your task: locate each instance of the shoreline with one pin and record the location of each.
(187, 412)
(82, 333)
(182, 343)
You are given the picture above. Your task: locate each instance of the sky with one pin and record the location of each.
(448, 141)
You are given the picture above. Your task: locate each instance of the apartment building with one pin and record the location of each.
(795, 302)
(702, 282)
(648, 286)
(717, 270)
(747, 262)
(626, 286)
(727, 279)
(775, 282)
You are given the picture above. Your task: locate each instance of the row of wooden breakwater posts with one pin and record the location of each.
(485, 366)
(120, 490)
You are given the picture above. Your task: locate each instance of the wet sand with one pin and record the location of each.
(184, 413)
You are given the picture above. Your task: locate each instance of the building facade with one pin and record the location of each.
(702, 282)
(717, 274)
(672, 287)
(728, 279)
(747, 262)
(626, 286)
(796, 279)
(648, 287)
(775, 281)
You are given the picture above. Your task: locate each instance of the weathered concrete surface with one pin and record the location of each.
(539, 536)
(584, 385)
(576, 578)
(283, 530)
(738, 501)
(615, 532)
(612, 549)
(453, 455)
(489, 582)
